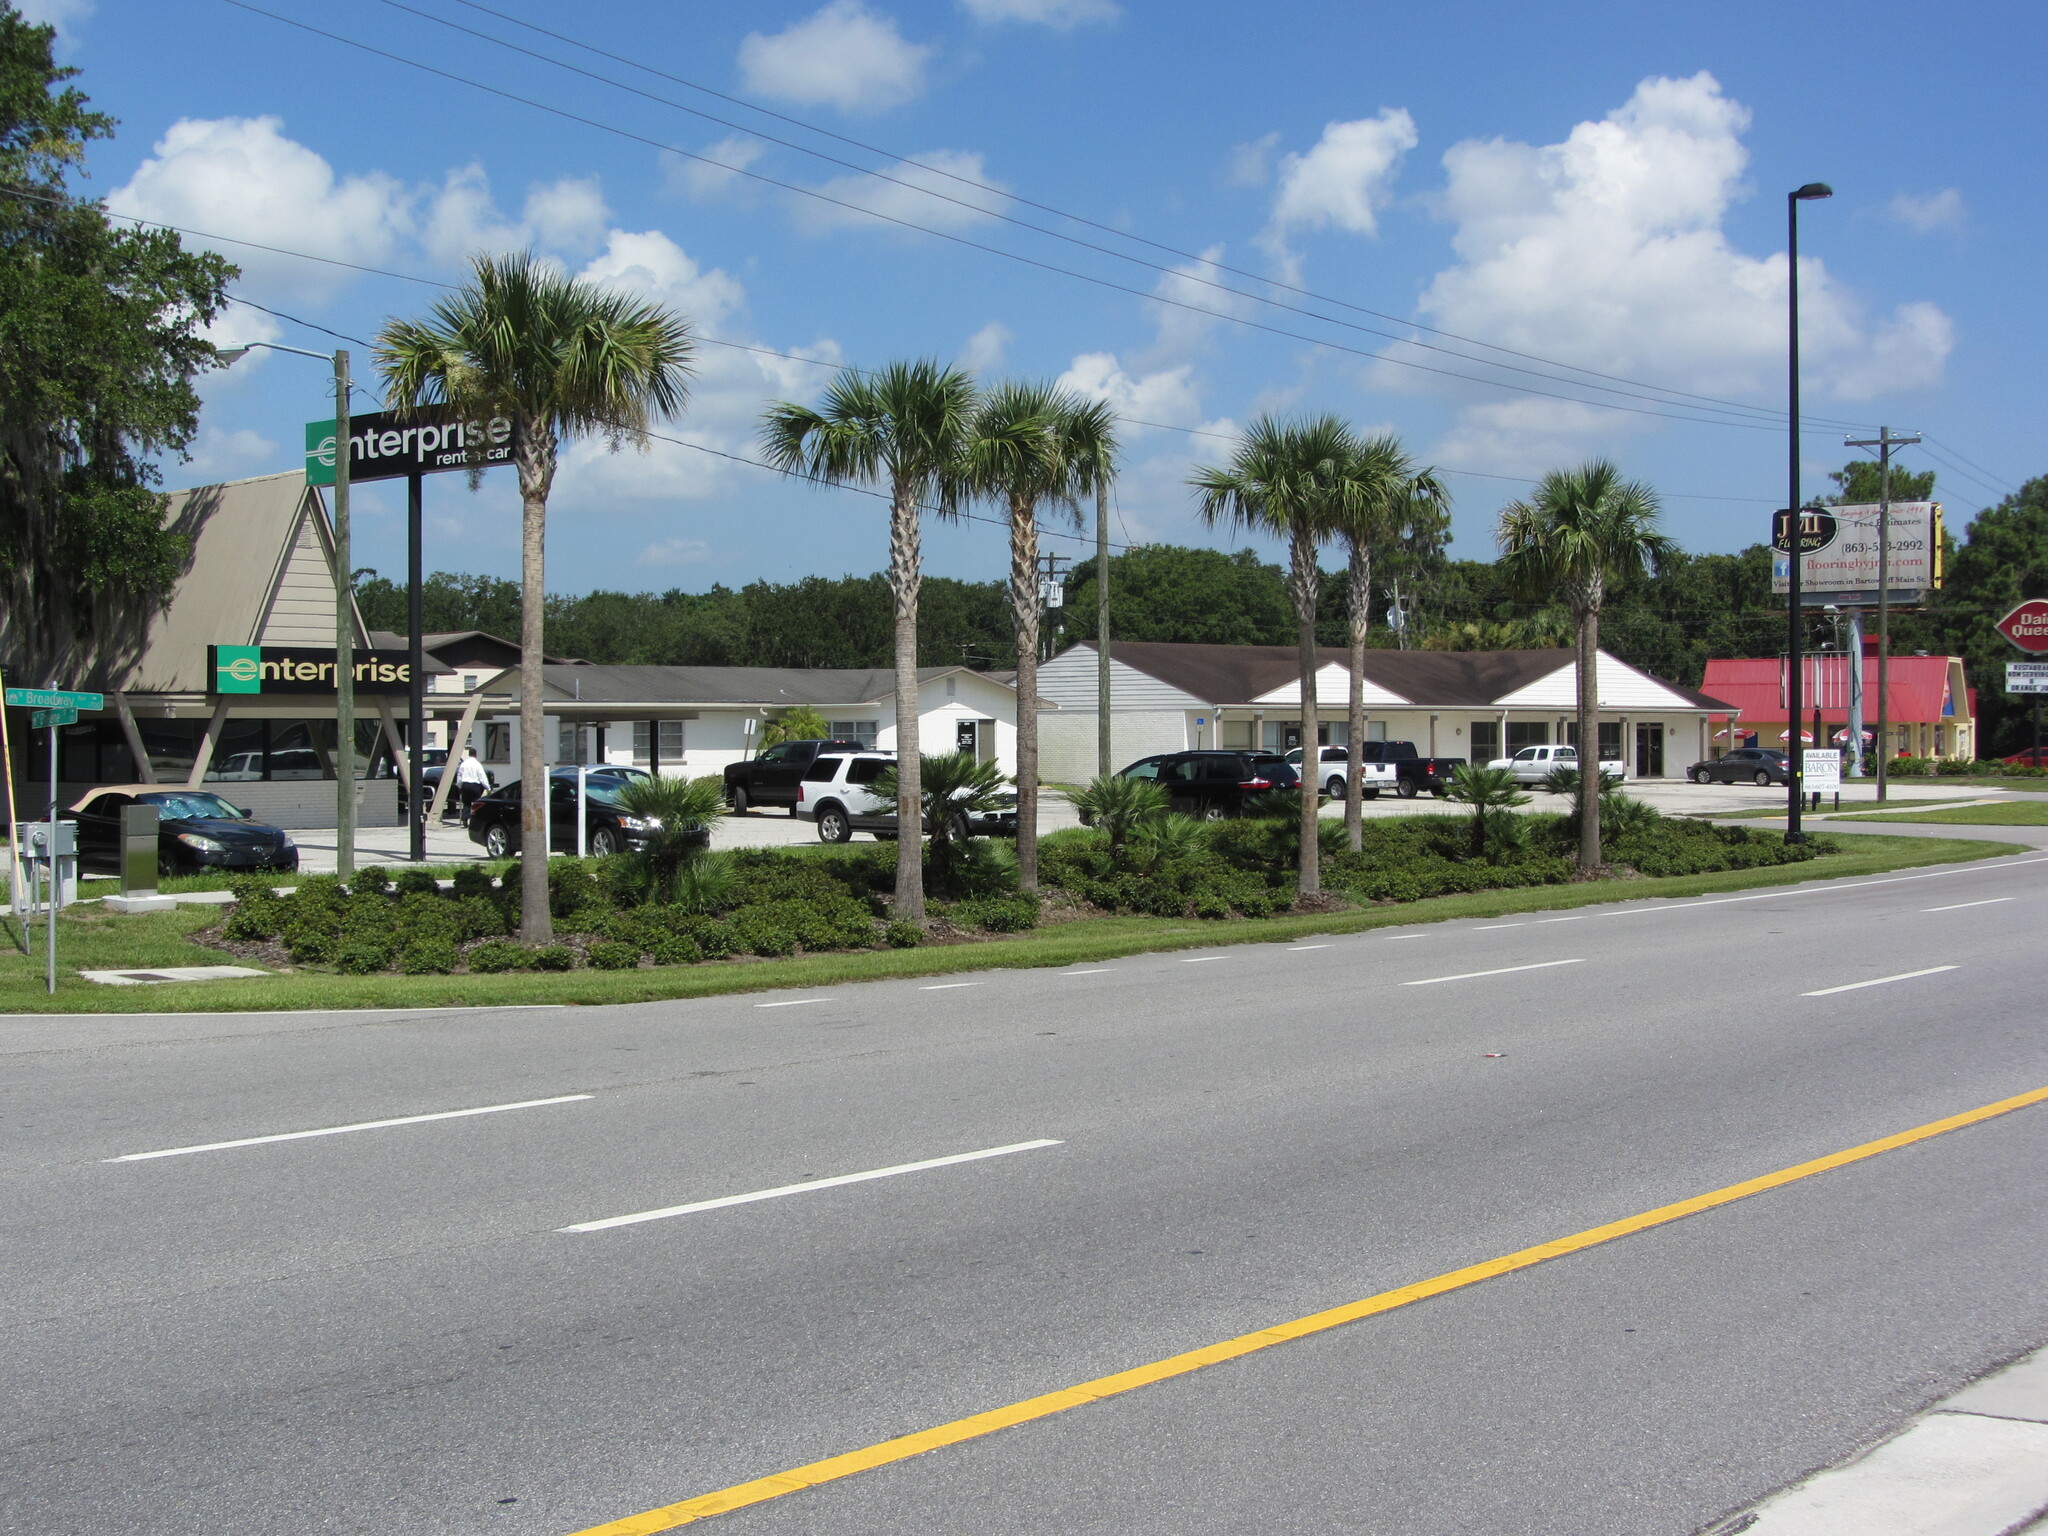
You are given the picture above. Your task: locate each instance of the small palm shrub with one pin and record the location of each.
(1118, 806)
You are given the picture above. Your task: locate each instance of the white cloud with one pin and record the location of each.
(844, 56)
(218, 455)
(699, 181)
(241, 177)
(727, 393)
(1060, 15)
(1607, 250)
(676, 552)
(1342, 181)
(1195, 306)
(654, 267)
(64, 15)
(462, 218)
(1251, 164)
(1936, 210)
(1167, 397)
(909, 197)
(987, 348)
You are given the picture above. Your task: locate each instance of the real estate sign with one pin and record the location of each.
(1820, 769)
(1839, 553)
(387, 446)
(243, 669)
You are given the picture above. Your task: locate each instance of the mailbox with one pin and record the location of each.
(138, 850)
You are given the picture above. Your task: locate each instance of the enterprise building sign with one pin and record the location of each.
(387, 446)
(301, 669)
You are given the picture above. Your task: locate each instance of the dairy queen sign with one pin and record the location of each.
(2027, 626)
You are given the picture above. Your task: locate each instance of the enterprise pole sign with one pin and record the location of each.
(387, 445)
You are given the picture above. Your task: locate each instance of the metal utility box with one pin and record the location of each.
(138, 850)
(55, 848)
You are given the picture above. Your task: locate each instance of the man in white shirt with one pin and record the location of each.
(471, 782)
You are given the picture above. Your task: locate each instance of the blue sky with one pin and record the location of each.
(1599, 186)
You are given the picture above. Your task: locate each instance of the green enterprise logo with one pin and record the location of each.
(238, 669)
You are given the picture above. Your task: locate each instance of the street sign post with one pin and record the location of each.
(42, 719)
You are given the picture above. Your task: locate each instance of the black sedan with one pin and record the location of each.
(196, 829)
(609, 826)
(1745, 765)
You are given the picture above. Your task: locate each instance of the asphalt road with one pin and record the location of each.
(385, 1331)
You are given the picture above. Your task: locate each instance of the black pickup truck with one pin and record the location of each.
(1413, 772)
(772, 778)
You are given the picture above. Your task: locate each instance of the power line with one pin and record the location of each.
(1076, 218)
(2009, 488)
(1008, 255)
(1739, 409)
(738, 346)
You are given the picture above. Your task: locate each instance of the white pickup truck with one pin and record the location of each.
(1372, 777)
(1532, 765)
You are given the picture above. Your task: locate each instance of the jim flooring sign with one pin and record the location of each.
(387, 446)
(1839, 563)
(301, 669)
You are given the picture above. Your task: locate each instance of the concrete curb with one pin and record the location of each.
(1975, 1464)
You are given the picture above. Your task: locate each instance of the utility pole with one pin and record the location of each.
(1885, 441)
(1102, 768)
(344, 641)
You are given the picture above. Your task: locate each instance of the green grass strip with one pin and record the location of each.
(2024, 813)
(89, 938)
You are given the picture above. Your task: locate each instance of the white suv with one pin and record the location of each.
(837, 793)
(834, 792)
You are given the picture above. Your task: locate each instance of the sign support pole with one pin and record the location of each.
(416, 720)
(344, 640)
(1885, 441)
(50, 872)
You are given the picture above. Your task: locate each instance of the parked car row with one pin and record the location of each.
(1213, 784)
(608, 826)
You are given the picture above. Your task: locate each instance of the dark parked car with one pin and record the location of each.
(610, 828)
(772, 778)
(196, 829)
(1215, 784)
(1745, 765)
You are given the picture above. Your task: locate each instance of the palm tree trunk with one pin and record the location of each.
(1302, 583)
(1024, 608)
(904, 580)
(1359, 612)
(1589, 738)
(536, 925)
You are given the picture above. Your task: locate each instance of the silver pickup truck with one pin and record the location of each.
(1532, 765)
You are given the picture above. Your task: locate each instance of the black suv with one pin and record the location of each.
(1213, 785)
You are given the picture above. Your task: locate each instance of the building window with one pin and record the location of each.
(575, 742)
(498, 743)
(671, 740)
(469, 682)
(862, 731)
(1485, 742)
(1527, 733)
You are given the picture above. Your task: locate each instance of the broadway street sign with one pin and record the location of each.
(429, 441)
(53, 698)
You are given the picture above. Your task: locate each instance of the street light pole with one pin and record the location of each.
(1795, 781)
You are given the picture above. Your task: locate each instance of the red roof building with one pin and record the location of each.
(1933, 710)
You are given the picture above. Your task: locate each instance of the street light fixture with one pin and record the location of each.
(1795, 780)
(344, 612)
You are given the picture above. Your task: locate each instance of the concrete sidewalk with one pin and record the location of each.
(1975, 1464)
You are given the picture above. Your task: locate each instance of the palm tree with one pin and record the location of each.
(559, 356)
(1582, 528)
(1117, 806)
(1032, 443)
(1489, 791)
(1297, 480)
(902, 428)
(1404, 499)
(954, 786)
(679, 815)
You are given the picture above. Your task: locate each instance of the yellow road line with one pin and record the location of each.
(762, 1489)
